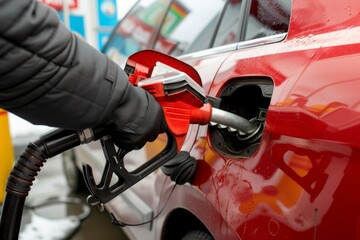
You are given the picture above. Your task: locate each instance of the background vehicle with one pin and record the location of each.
(164, 25)
(293, 66)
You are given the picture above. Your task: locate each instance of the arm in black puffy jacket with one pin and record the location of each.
(49, 76)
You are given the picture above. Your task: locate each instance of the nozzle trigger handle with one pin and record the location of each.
(106, 190)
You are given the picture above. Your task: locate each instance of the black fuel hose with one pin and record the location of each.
(27, 167)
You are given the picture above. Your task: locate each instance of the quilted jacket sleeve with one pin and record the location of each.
(49, 76)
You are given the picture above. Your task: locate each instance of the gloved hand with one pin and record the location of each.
(144, 127)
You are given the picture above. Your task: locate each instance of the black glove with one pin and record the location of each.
(144, 127)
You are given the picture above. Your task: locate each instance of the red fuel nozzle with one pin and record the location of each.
(182, 101)
(177, 88)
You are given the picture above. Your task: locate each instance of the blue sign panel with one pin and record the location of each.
(76, 23)
(107, 12)
(102, 39)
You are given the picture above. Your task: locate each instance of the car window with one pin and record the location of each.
(188, 26)
(268, 18)
(135, 31)
(230, 27)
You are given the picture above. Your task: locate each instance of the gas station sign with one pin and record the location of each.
(58, 4)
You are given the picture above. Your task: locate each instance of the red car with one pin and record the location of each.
(291, 66)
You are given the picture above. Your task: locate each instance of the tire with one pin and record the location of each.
(197, 235)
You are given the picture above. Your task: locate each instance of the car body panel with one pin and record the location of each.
(302, 180)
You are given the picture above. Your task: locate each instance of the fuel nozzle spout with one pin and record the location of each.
(233, 122)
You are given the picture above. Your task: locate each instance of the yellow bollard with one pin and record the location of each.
(6, 152)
